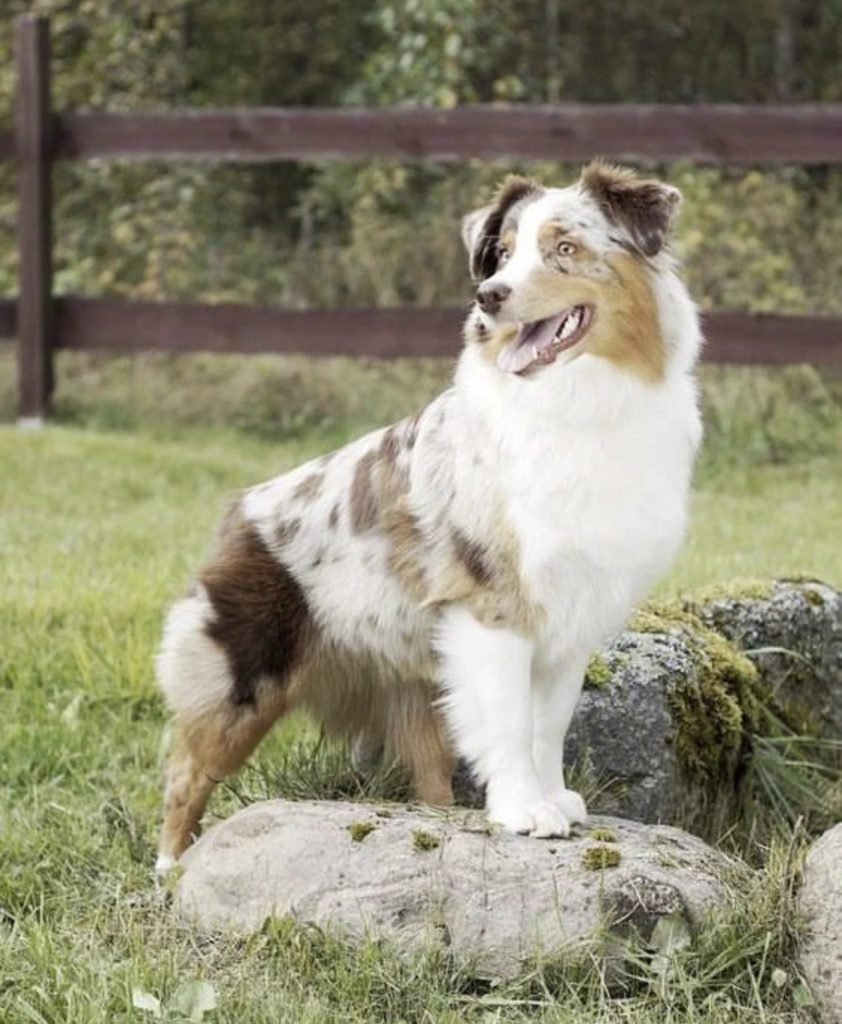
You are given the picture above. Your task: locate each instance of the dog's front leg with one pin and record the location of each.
(486, 680)
(556, 689)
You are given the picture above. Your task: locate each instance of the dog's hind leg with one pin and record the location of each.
(215, 727)
(416, 737)
(226, 665)
(204, 751)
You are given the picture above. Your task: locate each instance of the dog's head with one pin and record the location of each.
(568, 271)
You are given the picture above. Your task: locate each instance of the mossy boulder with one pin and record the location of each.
(695, 687)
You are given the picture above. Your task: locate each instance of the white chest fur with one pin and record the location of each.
(594, 477)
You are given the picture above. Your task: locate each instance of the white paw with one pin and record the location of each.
(164, 864)
(571, 805)
(541, 818)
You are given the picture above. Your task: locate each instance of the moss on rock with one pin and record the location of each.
(602, 834)
(425, 841)
(597, 674)
(743, 588)
(358, 830)
(719, 708)
(597, 858)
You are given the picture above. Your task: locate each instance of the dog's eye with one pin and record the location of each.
(502, 254)
(566, 249)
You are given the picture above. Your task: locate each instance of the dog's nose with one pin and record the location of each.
(492, 296)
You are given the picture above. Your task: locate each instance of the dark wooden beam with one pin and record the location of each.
(189, 327)
(8, 318)
(33, 144)
(388, 333)
(7, 145)
(706, 133)
(772, 339)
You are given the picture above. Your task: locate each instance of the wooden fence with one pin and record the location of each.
(42, 322)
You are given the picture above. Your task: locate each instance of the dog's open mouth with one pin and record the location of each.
(540, 342)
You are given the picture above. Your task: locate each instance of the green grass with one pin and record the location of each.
(104, 515)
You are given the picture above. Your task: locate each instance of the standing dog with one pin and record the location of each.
(439, 585)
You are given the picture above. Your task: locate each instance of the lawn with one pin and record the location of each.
(103, 516)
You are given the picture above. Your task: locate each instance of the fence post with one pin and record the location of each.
(33, 143)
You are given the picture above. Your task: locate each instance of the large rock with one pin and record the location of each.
(820, 907)
(419, 878)
(670, 708)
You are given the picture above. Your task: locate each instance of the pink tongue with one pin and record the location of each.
(532, 342)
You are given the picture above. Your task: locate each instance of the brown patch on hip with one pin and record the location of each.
(261, 618)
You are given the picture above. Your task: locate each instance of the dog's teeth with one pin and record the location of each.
(569, 325)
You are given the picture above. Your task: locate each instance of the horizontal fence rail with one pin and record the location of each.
(575, 132)
(114, 324)
(705, 133)
(230, 327)
(708, 133)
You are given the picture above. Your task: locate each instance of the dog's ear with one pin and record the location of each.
(475, 236)
(644, 209)
(481, 228)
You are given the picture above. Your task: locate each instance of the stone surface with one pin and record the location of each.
(820, 908)
(419, 878)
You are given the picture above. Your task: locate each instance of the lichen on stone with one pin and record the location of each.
(358, 830)
(597, 674)
(743, 588)
(717, 710)
(599, 857)
(603, 834)
(424, 841)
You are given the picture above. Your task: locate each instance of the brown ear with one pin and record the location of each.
(481, 228)
(644, 209)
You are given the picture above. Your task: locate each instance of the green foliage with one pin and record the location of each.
(439, 53)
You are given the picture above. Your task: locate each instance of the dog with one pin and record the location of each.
(437, 587)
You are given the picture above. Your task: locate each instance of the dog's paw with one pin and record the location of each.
(164, 864)
(571, 805)
(543, 819)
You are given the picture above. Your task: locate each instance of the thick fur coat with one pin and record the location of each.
(436, 587)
